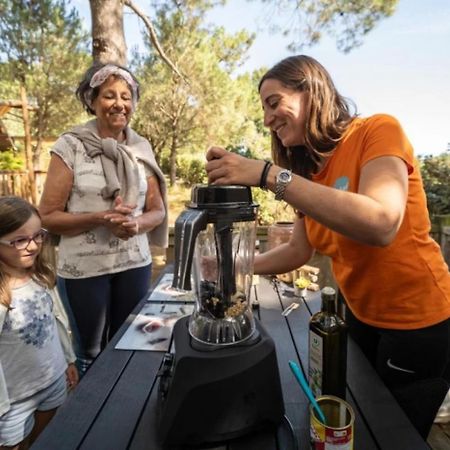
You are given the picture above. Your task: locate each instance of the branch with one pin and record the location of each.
(17, 104)
(154, 38)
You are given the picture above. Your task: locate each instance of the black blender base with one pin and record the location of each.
(215, 396)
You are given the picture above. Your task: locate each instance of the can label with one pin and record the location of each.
(337, 433)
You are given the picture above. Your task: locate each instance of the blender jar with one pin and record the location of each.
(223, 270)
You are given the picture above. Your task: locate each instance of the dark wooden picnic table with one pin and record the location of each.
(114, 406)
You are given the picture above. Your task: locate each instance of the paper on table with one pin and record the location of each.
(152, 327)
(165, 292)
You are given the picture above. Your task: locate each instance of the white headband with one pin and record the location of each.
(103, 74)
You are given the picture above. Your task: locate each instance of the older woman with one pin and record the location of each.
(105, 195)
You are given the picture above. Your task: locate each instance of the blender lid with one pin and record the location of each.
(211, 196)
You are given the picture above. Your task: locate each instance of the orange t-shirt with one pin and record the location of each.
(405, 285)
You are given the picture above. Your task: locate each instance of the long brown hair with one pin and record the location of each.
(327, 118)
(14, 212)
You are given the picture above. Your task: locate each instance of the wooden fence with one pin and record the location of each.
(14, 182)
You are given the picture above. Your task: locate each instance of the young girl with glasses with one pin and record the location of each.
(36, 357)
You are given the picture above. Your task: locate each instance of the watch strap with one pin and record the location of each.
(280, 185)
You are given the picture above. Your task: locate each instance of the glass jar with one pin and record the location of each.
(277, 234)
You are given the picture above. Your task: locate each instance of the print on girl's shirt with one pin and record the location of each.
(32, 319)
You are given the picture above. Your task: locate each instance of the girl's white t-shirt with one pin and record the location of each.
(30, 350)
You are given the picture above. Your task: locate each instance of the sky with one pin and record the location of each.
(402, 68)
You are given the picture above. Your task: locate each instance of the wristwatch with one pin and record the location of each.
(283, 178)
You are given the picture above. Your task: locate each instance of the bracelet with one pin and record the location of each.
(265, 172)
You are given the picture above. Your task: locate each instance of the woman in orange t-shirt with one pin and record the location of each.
(360, 200)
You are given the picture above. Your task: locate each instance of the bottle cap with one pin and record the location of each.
(328, 290)
(328, 293)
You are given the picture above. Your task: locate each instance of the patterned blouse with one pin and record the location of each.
(97, 251)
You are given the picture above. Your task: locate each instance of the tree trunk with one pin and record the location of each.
(37, 152)
(27, 141)
(108, 38)
(173, 160)
(39, 139)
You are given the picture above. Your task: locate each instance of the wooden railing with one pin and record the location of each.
(15, 182)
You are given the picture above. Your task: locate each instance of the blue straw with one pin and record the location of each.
(304, 385)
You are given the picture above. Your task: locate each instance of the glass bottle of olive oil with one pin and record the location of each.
(327, 348)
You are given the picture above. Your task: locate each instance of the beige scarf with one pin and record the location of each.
(120, 168)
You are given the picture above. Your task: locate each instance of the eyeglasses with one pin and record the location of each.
(23, 242)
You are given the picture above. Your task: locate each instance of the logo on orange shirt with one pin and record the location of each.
(342, 183)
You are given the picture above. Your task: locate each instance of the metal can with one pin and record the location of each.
(337, 432)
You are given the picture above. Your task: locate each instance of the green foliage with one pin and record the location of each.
(270, 210)
(435, 171)
(44, 49)
(191, 170)
(10, 161)
(346, 21)
(215, 107)
(164, 162)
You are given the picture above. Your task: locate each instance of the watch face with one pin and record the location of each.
(284, 176)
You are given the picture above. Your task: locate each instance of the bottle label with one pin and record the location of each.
(315, 369)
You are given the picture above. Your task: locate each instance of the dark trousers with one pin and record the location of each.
(414, 365)
(100, 305)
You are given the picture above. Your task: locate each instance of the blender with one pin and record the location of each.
(222, 381)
